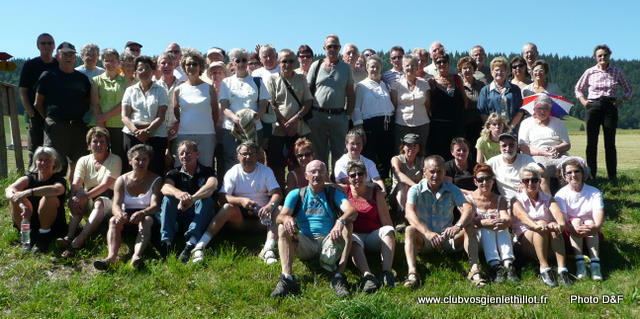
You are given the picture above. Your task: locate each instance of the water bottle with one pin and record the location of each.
(25, 232)
(266, 220)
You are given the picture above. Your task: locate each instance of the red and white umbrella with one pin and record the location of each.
(559, 105)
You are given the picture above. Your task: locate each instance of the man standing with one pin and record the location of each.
(429, 210)
(29, 76)
(331, 83)
(214, 54)
(134, 48)
(177, 52)
(350, 55)
(62, 98)
(483, 74)
(393, 75)
(290, 100)
(315, 221)
(530, 54)
(250, 189)
(435, 48)
(187, 199)
(270, 66)
(507, 165)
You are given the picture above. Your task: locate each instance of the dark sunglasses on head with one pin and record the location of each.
(484, 179)
(301, 155)
(534, 180)
(356, 174)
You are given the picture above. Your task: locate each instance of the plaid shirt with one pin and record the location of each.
(435, 210)
(602, 83)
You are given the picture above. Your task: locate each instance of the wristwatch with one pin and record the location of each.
(148, 131)
(459, 225)
(342, 221)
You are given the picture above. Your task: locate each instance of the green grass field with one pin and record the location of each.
(235, 283)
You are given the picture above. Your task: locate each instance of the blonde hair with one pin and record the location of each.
(493, 118)
(500, 60)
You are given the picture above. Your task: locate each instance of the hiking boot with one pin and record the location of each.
(564, 278)
(268, 255)
(581, 268)
(42, 244)
(26, 248)
(511, 273)
(548, 278)
(413, 280)
(186, 252)
(499, 275)
(595, 271)
(388, 279)
(285, 287)
(101, 264)
(340, 285)
(401, 227)
(370, 284)
(165, 248)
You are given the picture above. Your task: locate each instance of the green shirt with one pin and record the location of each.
(488, 148)
(110, 94)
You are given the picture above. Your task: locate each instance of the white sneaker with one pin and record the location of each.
(268, 255)
(581, 269)
(595, 271)
(197, 255)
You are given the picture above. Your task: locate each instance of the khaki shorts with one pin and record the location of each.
(322, 247)
(106, 202)
(448, 245)
(372, 241)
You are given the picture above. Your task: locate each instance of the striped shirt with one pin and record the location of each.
(602, 83)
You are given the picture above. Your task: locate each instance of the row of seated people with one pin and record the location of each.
(316, 220)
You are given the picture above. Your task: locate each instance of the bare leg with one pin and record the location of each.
(557, 244)
(114, 239)
(387, 251)
(95, 218)
(228, 213)
(47, 211)
(144, 235)
(413, 242)
(359, 259)
(74, 220)
(471, 245)
(286, 250)
(540, 244)
(16, 211)
(344, 259)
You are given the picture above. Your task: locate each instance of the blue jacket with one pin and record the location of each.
(489, 100)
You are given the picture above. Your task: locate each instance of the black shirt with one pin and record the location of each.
(67, 95)
(31, 72)
(187, 183)
(462, 179)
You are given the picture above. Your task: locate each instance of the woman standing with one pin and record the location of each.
(472, 120)
(143, 110)
(501, 96)
(195, 105)
(540, 84)
(601, 104)
(305, 58)
(519, 75)
(448, 101)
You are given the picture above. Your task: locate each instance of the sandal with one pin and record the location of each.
(475, 276)
(413, 280)
(70, 252)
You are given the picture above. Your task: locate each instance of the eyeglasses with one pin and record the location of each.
(397, 57)
(302, 155)
(306, 56)
(576, 172)
(290, 61)
(254, 63)
(483, 179)
(517, 66)
(533, 180)
(191, 64)
(357, 174)
(247, 154)
(240, 60)
(441, 62)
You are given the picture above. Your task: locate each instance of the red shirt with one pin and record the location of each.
(367, 220)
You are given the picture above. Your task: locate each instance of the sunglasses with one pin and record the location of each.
(240, 60)
(306, 56)
(397, 57)
(302, 155)
(534, 180)
(576, 172)
(290, 61)
(357, 174)
(441, 62)
(517, 66)
(483, 179)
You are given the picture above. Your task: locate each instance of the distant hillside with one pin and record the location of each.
(565, 72)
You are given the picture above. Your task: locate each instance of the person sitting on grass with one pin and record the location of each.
(315, 221)
(372, 229)
(538, 221)
(91, 190)
(39, 198)
(406, 169)
(429, 211)
(250, 189)
(583, 213)
(354, 142)
(488, 144)
(136, 199)
(303, 150)
(187, 200)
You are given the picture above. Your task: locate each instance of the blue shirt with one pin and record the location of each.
(435, 210)
(489, 100)
(315, 216)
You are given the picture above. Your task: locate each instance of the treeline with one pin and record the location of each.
(565, 72)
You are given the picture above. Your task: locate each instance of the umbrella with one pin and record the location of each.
(559, 105)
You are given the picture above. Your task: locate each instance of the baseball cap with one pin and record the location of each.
(66, 47)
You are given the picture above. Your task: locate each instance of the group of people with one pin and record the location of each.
(160, 131)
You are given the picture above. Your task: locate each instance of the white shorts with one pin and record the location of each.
(372, 241)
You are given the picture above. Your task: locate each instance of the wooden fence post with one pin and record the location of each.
(9, 106)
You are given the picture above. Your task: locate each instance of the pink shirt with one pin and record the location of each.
(579, 204)
(602, 83)
(538, 211)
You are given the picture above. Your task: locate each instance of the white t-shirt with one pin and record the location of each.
(241, 93)
(179, 74)
(144, 106)
(264, 73)
(508, 175)
(579, 204)
(340, 171)
(195, 109)
(255, 185)
(533, 134)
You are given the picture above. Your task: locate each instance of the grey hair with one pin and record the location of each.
(248, 144)
(110, 52)
(351, 45)
(532, 168)
(89, 47)
(143, 149)
(543, 100)
(285, 52)
(126, 56)
(411, 57)
(194, 55)
(266, 47)
(374, 57)
(355, 132)
(237, 52)
(357, 164)
(51, 152)
(436, 158)
(169, 55)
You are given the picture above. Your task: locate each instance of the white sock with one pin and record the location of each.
(204, 240)
(542, 270)
(270, 243)
(44, 231)
(508, 263)
(288, 276)
(561, 269)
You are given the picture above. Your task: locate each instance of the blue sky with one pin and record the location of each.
(569, 28)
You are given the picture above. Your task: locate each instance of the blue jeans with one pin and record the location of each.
(197, 217)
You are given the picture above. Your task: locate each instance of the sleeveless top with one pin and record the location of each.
(415, 172)
(486, 214)
(195, 109)
(367, 220)
(137, 202)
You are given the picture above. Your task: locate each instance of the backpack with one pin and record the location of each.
(328, 194)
